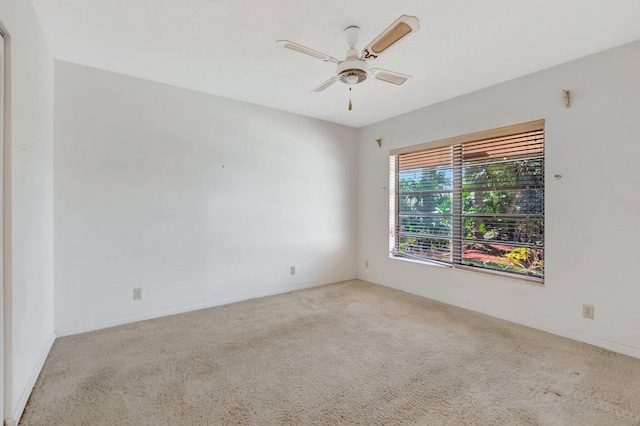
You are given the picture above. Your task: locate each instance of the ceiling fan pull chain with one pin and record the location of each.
(350, 106)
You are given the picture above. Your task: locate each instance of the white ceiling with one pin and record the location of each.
(227, 47)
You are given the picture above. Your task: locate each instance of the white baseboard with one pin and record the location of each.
(22, 402)
(97, 326)
(569, 334)
(562, 332)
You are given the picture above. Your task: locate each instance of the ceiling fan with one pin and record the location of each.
(355, 69)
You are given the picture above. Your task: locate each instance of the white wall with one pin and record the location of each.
(197, 199)
(592, 230)
(30, 203)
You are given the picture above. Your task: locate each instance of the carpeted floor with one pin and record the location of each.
(347, 353)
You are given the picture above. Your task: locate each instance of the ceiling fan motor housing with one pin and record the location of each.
(352, 71)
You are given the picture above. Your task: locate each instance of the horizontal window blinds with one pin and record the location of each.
(479, 204)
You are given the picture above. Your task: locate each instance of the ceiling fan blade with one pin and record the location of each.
(401, 28)
(325, 84)
(390, 76)
(302, 49)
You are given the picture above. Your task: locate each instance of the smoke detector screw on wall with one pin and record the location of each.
(566, 95)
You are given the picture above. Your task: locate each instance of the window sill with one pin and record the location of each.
(532, 280)
(420, 262)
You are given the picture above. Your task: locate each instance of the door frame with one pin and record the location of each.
(5, 229)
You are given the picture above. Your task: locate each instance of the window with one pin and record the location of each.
(472, 202)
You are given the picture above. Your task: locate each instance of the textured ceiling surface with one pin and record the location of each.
(227, 47)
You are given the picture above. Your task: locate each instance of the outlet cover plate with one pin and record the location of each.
(137, 294)
(587, 311)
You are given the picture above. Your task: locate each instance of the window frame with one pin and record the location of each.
(457, 231)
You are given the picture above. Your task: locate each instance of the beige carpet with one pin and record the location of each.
(348, 353)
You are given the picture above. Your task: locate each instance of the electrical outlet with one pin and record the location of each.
(587, 311)
(366, 263)
(137, 294)
(293, 270)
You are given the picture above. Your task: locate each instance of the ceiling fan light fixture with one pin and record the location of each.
(352, 76)
(352, 71)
